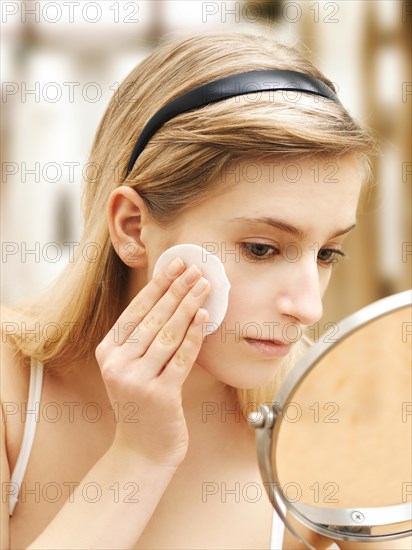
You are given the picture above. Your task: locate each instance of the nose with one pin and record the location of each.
(300, 294)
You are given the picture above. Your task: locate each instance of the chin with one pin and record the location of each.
(240, 374)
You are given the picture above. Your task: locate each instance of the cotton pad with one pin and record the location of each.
(212, 269)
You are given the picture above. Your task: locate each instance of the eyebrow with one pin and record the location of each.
(283, 226)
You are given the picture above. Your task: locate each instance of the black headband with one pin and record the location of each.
(230, 86)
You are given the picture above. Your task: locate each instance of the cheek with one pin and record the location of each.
(252, 287)
(248, 301)
(245, 297)
(324, 281)
(238, 314)
(238, 302)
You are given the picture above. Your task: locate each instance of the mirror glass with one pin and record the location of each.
(343, 439)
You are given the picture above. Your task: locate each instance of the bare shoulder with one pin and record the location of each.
(5, 476)
(14, 388)
(14, 370)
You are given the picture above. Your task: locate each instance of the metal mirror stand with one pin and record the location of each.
(353, 524)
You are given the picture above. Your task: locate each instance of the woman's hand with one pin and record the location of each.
(146, 357)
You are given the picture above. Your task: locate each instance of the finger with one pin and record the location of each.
(154, 321)
(179, 366)
(143, 302)
(171, 336)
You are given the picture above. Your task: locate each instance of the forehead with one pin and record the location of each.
(318, 194)
(287, 174)
(310, 182)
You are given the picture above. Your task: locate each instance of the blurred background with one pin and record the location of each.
(62, 62)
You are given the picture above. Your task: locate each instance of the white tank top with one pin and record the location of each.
(33, 404)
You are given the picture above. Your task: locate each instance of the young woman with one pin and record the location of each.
(140, 440)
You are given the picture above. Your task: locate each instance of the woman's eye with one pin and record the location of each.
(265, 252)
(329, 255)
(256, 251)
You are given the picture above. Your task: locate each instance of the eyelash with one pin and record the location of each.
(329, 263)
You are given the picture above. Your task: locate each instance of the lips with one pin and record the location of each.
(270, 348)
(277, 342)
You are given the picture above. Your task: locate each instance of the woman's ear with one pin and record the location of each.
(127, 218)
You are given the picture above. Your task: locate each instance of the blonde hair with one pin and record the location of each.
(175, 170)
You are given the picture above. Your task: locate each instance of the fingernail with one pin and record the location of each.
(191, 275)
(333, 546)
(199, 287)
(175, 266)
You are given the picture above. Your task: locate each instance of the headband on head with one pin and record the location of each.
(230, 86)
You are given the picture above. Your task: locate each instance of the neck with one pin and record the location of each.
(201, 388)
(213, 416)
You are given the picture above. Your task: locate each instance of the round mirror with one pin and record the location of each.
(335, 445)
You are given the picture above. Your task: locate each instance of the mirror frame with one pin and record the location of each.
(352, 524)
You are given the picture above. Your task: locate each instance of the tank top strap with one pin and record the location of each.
(278, 531)
(32, 419)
